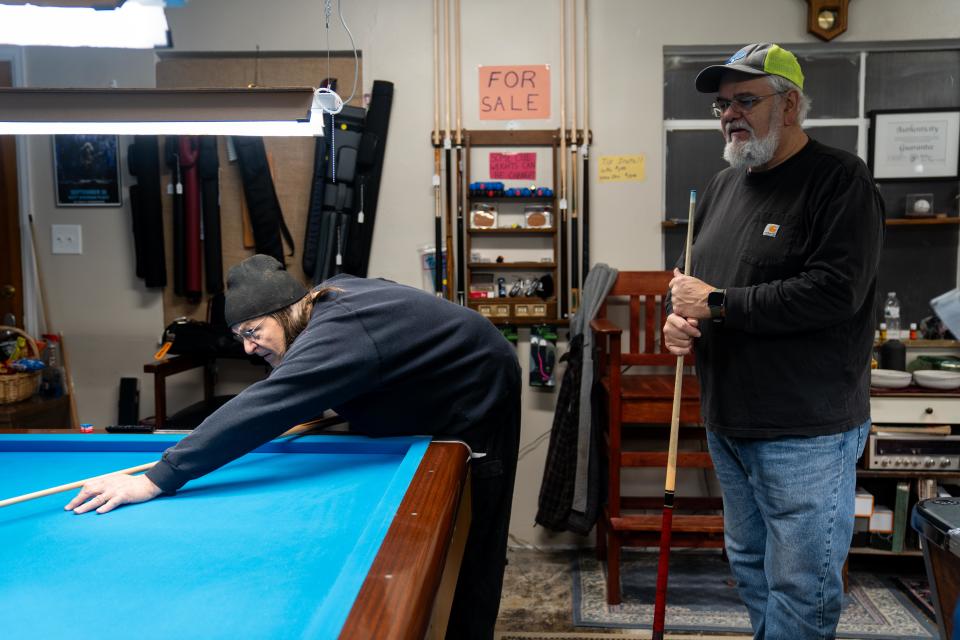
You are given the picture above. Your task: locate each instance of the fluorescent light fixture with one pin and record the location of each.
(133, 25)
(224, 112)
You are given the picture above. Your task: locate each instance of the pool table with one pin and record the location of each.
(310, 537)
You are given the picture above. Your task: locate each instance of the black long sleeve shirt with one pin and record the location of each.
(797, 249)
(391, 359)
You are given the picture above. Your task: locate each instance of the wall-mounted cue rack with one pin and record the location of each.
(502, 257)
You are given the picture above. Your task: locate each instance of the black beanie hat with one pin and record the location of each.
(257, 286)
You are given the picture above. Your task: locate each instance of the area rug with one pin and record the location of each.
(619, 634)
(702, 597)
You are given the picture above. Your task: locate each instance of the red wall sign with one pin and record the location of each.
(513, 166)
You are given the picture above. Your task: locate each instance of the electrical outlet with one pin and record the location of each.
(66, 238)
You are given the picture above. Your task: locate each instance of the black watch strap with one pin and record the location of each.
(717, 300)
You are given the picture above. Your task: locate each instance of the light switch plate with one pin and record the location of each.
(66, 238)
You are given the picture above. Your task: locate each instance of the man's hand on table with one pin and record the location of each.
(109, 492)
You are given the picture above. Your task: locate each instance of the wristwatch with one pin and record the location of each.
(717, 300)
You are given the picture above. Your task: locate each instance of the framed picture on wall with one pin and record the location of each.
(86, 170)
(915, 144)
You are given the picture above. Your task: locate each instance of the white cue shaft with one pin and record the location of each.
(671, 480)
(71, 485)
(143, 467)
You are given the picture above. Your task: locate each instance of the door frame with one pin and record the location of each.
(31, 303)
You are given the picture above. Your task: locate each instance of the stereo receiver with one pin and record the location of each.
(907, 452)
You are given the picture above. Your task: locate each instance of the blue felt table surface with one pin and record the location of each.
(273, 545)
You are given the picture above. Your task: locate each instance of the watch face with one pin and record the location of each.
(715, 298)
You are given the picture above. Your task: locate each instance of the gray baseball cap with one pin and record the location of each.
(761, 59)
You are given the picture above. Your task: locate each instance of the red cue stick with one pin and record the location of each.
(666, 527)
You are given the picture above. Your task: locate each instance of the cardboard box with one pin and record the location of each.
(882, 520)
(864, 503)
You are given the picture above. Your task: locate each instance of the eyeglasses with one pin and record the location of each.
(253, 335)
(743, 103)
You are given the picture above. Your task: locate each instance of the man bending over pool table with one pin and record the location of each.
(390, 359)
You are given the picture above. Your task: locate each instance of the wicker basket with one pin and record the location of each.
(15, 387)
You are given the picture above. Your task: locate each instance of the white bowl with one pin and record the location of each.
(889, 378)
(935, 379)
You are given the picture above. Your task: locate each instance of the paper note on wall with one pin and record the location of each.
(519, 92)
(513, 166)
(622, 168)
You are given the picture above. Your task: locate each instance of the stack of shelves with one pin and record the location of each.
(511, 252)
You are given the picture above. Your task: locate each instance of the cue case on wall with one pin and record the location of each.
(348, 164)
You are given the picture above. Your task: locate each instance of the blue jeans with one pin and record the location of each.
(788, 521)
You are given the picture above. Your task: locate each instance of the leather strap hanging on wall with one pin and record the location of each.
(318, 182)
(189, 152)
(143, 160)
(261, 196)
(370, 170)
(340, 193)
(312, 234)
(172, 154)
(208, 168)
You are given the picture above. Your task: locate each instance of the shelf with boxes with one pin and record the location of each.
(512, 241)
(884, 502)
(912, 452)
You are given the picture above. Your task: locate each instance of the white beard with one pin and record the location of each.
(755, 151)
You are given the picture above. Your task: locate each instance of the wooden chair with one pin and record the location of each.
(643, 395)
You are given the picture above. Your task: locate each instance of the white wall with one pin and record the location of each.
(112, 322)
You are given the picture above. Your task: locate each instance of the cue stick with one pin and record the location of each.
(562, 191)
(448, 149)
(666, 528)
(68, 382)
(298, 430)
(575, 185)
(585, 146)
(437, 206)
(461, 258)
(74, 417)
(71, 485)
(36, 269)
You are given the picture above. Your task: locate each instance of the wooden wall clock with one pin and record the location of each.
(827, 19)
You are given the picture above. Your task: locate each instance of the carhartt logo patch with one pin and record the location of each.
(771, 230)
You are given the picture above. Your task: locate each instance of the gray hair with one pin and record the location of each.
(782, 85)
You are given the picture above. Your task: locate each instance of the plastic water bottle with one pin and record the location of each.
(891, 315)
(53, 382)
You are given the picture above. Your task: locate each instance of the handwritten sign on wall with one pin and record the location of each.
(519, 92)
(622, 168)
(513, 166)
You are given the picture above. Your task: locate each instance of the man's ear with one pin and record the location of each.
(791, 107)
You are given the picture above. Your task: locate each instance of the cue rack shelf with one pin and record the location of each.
(518, 310)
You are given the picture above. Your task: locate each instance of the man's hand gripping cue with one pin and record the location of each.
(688, 296)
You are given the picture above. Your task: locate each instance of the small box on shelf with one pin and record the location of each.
(881, 520)
(483, 216)
(863, 506)
(518, 310)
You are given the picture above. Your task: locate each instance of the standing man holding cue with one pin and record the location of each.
(779, 308)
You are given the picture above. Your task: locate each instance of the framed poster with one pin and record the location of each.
(86, 170)
(914, 144)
